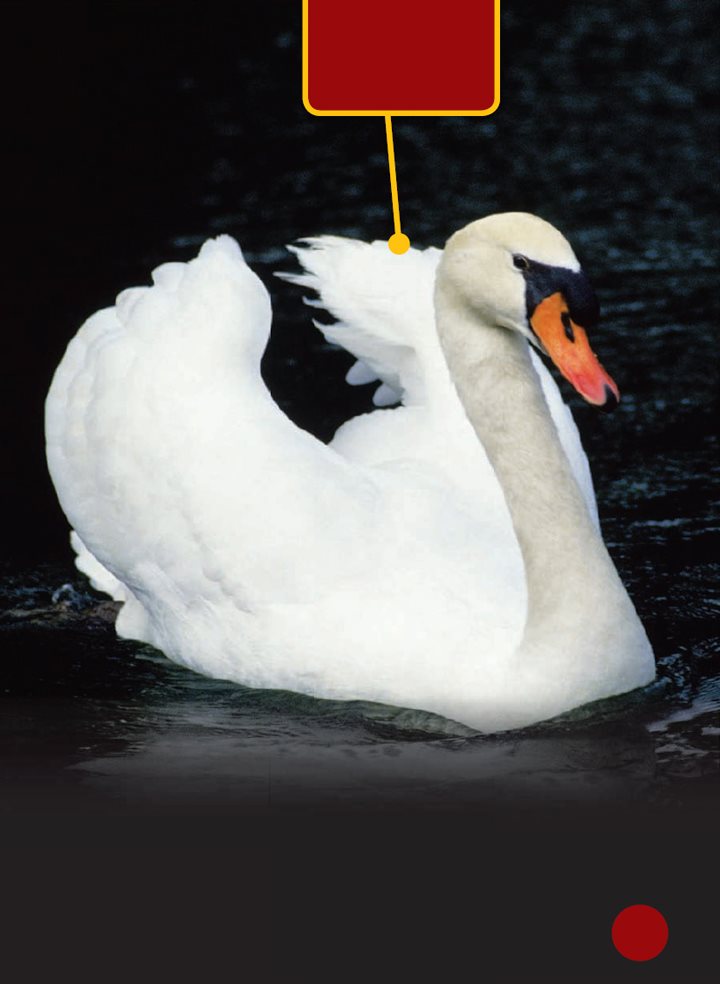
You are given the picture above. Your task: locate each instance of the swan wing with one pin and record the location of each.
(383, 306)
(169, 455)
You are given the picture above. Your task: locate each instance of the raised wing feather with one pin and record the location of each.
(384, 311)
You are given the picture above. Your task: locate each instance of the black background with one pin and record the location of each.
(135, 130)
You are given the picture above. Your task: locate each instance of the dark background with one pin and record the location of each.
(134, 131)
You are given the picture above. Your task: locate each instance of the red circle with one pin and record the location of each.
(640, 932)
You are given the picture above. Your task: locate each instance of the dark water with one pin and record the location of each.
(606, 129)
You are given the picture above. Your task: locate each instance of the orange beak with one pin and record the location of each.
(567, 345)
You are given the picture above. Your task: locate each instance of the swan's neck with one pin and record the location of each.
(572, 585)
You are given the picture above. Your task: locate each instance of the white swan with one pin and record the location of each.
(444, 555)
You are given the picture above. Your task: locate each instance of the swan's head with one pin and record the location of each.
(518, 272)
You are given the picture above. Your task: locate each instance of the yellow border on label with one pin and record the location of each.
(401, 112)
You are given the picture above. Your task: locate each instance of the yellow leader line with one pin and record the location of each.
(398, 242)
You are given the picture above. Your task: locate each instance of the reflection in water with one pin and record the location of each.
(111, 723)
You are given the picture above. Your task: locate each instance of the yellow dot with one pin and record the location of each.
(399, 243)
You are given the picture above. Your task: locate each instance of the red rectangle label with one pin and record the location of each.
(401, 57)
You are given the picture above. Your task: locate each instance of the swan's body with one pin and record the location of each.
(391, 565)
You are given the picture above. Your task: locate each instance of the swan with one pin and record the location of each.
(444, 555)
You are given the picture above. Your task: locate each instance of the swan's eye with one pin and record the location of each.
(567, 325)
(521, 262)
